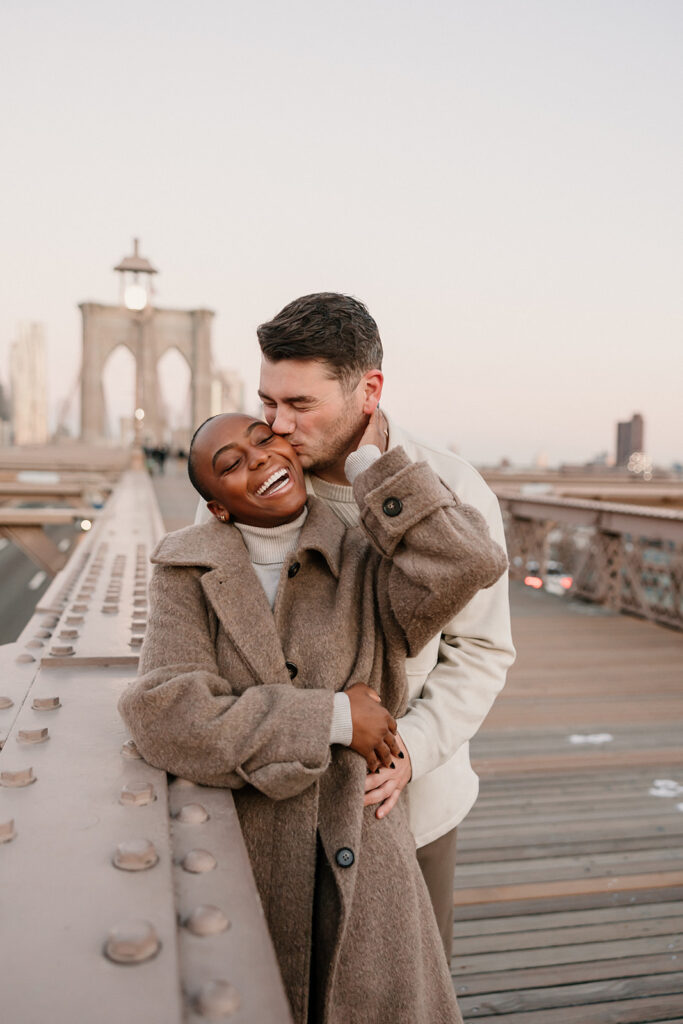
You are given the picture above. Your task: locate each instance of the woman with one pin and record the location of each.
(279, 704)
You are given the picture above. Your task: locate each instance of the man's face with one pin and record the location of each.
(321, 419)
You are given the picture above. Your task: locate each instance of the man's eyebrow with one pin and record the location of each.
(231, 444)
(288, 401)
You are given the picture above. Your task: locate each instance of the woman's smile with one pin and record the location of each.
(275, 483)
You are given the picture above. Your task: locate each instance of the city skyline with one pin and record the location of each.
(498, 182)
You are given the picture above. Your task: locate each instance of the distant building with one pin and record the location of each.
(5, 418)
(630, 437)
(28, 385)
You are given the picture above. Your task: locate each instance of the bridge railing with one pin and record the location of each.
(126, 894)
(627, 557)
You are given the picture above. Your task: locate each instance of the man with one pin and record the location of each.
(321, 381)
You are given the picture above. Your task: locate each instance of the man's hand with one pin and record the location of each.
(373, 728)
(384, 787)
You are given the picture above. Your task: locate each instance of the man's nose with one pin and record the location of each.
(283, 423)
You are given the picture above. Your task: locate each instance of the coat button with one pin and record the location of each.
(344, 857)
(392, 507)
(293, 569)
(291, 668)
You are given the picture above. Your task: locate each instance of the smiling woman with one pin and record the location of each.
(246, 472)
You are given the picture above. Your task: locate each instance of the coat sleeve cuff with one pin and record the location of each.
(393, 494)
(341, 730)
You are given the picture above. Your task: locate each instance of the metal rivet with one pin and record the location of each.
(68, 634)
(46, 703)
(50, 623)
(198, 861)
(207, 920)
(217, 999)
(32, 735)
(33, 644)
(62, 650)
(7, 833)
(135, 641)
(74, 620)
(138, 794)
(6, 702)
(24, 659)
(110, 609)
(135, 855)
(132, 942)
(43, 634)
(181, 783)
(130, 750)
(22, 777)
(79, 607)
(192, 814)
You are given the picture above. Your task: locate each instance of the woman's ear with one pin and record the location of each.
(372, 383)
(218, 511)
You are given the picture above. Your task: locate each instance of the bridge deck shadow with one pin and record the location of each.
(569, 885)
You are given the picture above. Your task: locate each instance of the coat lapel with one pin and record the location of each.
(233, 591)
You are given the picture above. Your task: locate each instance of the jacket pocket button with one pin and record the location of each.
(293, 569)
(291, 668)
(344, 857)
(392, 507)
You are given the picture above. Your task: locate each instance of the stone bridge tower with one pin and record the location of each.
(147, 333)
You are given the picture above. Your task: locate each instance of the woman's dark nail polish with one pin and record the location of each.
(392, 765)
(401, 754)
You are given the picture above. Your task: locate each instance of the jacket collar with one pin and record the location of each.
(214, 545)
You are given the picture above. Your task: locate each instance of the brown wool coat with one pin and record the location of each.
(232, 694)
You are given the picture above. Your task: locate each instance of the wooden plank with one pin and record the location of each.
(557, 903)
(568, 936)
(633, 1011)
(588, 996)
(566, 919)
(512, 959)
(566, 887)
(566, 974)
(565, 868)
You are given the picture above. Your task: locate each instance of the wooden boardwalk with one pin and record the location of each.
(569, 884)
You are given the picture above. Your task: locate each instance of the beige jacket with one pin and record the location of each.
(230, 694)
(455, 679)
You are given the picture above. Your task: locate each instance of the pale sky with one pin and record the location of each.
(499, 180)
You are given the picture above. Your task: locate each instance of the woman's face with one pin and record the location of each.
(253, 474)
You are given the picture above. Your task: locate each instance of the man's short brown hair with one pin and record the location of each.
(327, 326)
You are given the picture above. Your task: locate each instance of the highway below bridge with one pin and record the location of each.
(127, 894)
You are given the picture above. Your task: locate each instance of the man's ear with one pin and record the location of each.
(371, 384)
(218, 511)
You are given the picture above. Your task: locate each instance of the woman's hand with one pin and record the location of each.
(373, 728)
(375, 431)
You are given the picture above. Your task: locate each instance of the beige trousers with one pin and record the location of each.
(437, 861)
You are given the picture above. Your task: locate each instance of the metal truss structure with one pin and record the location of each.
(626, 557)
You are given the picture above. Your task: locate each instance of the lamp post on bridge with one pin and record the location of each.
(135, 294)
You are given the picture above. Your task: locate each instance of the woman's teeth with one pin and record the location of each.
(274, 483)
